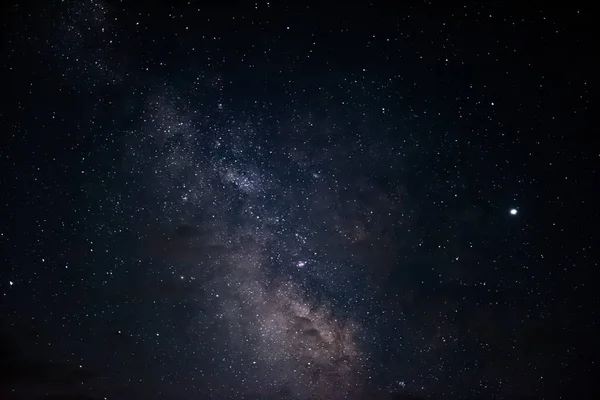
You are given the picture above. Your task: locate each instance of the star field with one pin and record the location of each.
(278, 201)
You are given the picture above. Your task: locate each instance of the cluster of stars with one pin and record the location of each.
(244, 205)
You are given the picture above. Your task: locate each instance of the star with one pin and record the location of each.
(513, 211)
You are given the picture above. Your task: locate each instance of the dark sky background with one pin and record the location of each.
(270, 201)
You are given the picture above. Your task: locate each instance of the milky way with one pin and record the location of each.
(291, 201)
(268, 217)
(279, 244)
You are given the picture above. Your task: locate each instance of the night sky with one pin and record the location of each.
(270, 201)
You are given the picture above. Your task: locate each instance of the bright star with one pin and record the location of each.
(513, 211)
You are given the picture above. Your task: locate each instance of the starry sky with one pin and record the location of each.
(272, 200)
